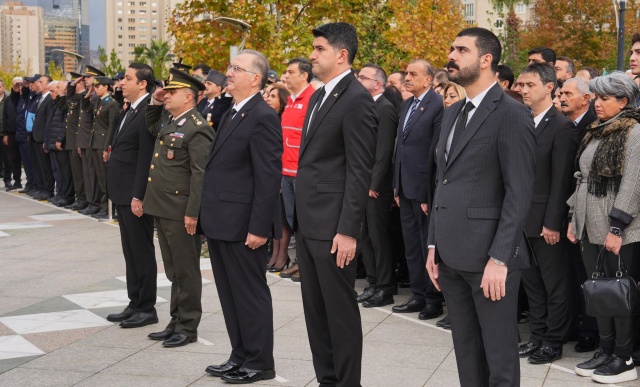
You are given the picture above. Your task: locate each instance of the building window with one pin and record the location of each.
(119, 44)
(132, 20)
(143, 20)
(143, 37)
(143, 3)
(119, 20)
(119, 28)
(154, 21)
(143, 28)
(132, 37)
(131, 12)
(520, 8)
(132, 28)
(468, 10)
(119, 36)
(132, 45)
(142, 11)
(132, 3)
(119, 12)
(119, 3)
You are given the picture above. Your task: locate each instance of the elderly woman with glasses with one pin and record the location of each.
(605, 208)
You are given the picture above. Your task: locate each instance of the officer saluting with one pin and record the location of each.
(173, 193)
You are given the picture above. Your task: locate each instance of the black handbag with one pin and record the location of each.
(610, 297)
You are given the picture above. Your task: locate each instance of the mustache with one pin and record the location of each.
(564, 104)
(452, 65)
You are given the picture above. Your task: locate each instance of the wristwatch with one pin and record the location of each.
(497, 262)
(615, 231)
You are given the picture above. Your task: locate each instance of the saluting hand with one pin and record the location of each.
(159, 94)
(345, 249)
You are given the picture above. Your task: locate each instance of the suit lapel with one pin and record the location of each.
(128, 120)
(545, 121)
(483, 111)
(445, 129)
(422, 107)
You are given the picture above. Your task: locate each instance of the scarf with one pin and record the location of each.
(607, 166)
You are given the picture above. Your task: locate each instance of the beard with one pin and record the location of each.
(465, 76)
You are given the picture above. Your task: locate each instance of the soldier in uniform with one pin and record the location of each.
(183, 139)
(85, 126)
(104, 114)
(71, 144)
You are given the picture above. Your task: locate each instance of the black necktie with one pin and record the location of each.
(317, 107)
(461, 123)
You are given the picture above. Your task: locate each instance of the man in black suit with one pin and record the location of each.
(419, 121)
(127, 173)
(376, 252)
(240, 210)
(215, 102)
(43, 160)
(477, 247)
(337, 155)
(547, 284)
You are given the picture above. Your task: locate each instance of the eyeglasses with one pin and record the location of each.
(236, 69)
(363, 78)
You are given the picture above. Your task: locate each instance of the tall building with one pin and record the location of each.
(59, 15)
(22, 37)
(483, 14)
(60, 33)
(136, 23)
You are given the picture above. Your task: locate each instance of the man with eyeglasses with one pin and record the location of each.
(376, 251)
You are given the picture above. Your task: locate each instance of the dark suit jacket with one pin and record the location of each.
(221, 105)
(131, 153)
(381, 178)
(412, 146)
(588, 118)
(337, 155)
(557, 143)
(428, 185)
(40, 121)
(484, 190)
(241, 187)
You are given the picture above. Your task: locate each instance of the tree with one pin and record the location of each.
(110, 64)
(157, 55)
(511, 30)
(56, 73)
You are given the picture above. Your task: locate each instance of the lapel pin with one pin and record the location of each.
(242, 115)
(422, 108)
(336, 95)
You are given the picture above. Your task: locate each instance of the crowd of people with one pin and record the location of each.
(493, 193)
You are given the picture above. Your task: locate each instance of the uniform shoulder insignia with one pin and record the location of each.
(196, 120)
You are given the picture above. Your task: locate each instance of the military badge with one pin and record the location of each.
(170, 154)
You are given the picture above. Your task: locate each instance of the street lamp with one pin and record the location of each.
(622, 8)
(244, 26)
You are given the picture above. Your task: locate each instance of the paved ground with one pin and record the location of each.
(61, 273)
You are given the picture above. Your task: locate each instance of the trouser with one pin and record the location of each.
(60, 159)
(136, 234)
(485, 332)
(616, 334)
(376, 251)
(12, 162)
(25, 155)
(101, 177)
(548, 292)
(34, 153)
(43, 162)
(582, 324)
(90, 177)
(246, 301)
(181, 259)
(75, 162)
(414, 232)
(331, 313)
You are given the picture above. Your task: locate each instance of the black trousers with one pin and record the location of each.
(617, 334)
(90, 177)
(485, 332)
(25, 155)
(11, 159)
(331, 313)
(246, 301)
(44, 165)
(376, 250)
(136, 234)
(414, 232)
(76, 172)
(61, 163)
(581, 324)
(181, 259)
(548, 291)
(100, 168)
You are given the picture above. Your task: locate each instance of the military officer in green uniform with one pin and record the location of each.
(183, 139)
(104, 114)
(71, 144)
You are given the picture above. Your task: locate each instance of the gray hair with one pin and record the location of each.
(428, 69)
(581, 85)
(616, 84)
(260, 65)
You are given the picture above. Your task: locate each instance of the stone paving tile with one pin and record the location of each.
(9, 304)
(404, 355)
(162, 362)
(8, 364)
(39, 377)
(51, 341)
(6, 331)
(84, 359)
(56, 304)
(115, 380)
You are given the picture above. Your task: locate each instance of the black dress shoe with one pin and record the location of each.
(430, 311)
(15, 186)
(380, 298)
(125, 314)
(587, 343)
(90, 210)
(178, 340)
(100, 215)
(140, 319)
(78, 206)
(444, 323)
(245, 376)
(162, 335)
(8, 186)
(219, 370)
(545, 355)
(527, 349)
(366, 294)
(410, 306)
(25, 190)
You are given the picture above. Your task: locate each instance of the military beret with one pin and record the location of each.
(217, 77)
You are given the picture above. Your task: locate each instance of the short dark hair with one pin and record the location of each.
(486, 43)
(440, 77)
(593, 73)
(201, 66)
(380, 73)
(394, 95)
(48, 78)
(548, 55)
(570, 65)
(545, 71)
(635, 38)
(283, 95)
(402, 74)
(304, 65)
(144, 72)
(341, 36)
(505, 74)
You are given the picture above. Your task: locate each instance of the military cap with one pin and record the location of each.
(217, 77)
(272, 76)
(91, 71)
(103, 81)
(33, 78)
(75, 76)
(181, 66)
(179, 80)
(119, 75)
(159, 83)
